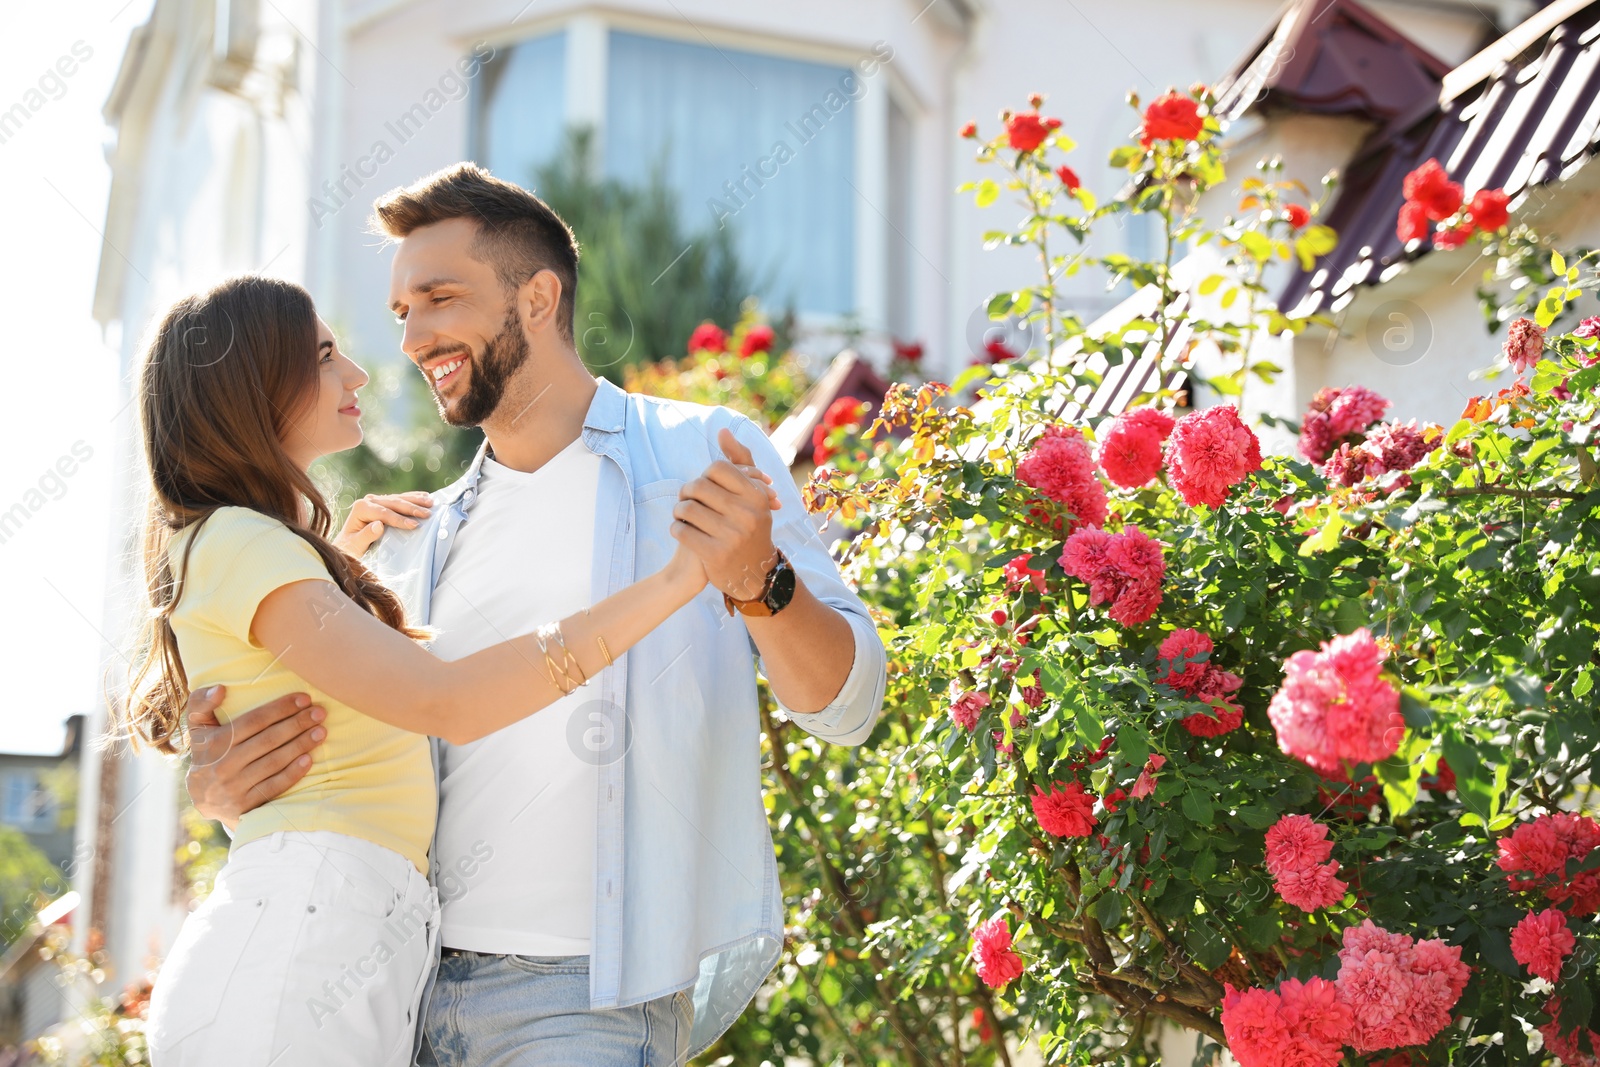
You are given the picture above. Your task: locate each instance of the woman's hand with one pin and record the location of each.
(373, 512)
(684, 570)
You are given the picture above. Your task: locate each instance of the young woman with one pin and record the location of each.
(314, 945)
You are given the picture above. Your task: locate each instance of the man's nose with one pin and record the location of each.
(415, 338)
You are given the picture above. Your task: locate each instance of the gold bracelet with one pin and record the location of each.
(569, 662)
(543, 635)
(604, 651)
(541, 638)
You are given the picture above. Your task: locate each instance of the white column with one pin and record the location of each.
(325, 97)
(587, 53)
(872, 206)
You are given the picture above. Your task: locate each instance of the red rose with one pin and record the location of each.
(1445, 240)
(1431, 187)
(1413, 224)
(970, 130)
(844, 411)
(1488, 209)
(1297, 215)
(707, 337)
(1069, 177)
(759, 339)
(998, 352)
(1172, 117)
(910, 351)
(1027, 131)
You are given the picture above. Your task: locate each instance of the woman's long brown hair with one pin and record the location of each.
(225, 374)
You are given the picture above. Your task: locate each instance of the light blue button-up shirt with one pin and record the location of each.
(686, 882)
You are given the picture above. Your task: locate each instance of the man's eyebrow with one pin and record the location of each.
(426, 287)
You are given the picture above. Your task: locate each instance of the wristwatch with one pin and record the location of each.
(776, 591)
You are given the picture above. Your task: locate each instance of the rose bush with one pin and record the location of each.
(1292, 751)
(746, 367)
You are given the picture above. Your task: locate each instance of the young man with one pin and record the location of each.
(605, 867)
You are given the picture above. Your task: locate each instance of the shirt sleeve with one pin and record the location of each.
(850, 716)
(240, 556)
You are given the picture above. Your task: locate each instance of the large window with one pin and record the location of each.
(25, 803)
(763, 144)
(522, 112)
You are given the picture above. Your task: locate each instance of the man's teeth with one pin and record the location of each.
(445, 368)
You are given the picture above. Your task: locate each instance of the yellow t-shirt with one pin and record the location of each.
(367, 779)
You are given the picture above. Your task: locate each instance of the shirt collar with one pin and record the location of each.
(607, 408)
(605, 415)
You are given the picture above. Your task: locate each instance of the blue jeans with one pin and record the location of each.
(533, 1011)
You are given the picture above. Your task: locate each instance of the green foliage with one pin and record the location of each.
(27, 877)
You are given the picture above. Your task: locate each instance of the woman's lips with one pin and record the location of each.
(354, 411)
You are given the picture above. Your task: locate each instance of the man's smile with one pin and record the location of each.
(443, 372)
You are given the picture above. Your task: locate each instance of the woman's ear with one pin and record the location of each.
(540, 301)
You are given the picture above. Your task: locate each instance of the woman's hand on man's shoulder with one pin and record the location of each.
(375, 511)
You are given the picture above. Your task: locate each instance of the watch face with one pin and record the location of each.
(782, 589)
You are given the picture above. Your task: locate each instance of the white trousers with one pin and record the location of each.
(311, 951)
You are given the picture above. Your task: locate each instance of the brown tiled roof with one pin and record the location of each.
(1331, 57)
(1522, 113)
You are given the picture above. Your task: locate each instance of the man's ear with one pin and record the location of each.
(539, 300)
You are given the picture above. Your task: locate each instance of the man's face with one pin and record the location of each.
(461, 329)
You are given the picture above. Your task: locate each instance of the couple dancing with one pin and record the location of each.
(578, 871)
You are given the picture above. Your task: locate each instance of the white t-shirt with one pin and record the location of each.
(516, 847)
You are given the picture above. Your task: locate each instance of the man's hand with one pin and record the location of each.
(256, 757)
(725, 517)
(369, 515)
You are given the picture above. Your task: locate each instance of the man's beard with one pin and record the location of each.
(491, 371)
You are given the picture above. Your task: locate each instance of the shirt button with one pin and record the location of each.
(444, 532)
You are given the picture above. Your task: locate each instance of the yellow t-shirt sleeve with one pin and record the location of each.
(239, 556)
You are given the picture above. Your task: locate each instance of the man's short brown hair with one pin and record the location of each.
(518, 234)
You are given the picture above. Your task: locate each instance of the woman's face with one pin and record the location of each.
(331, 422)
